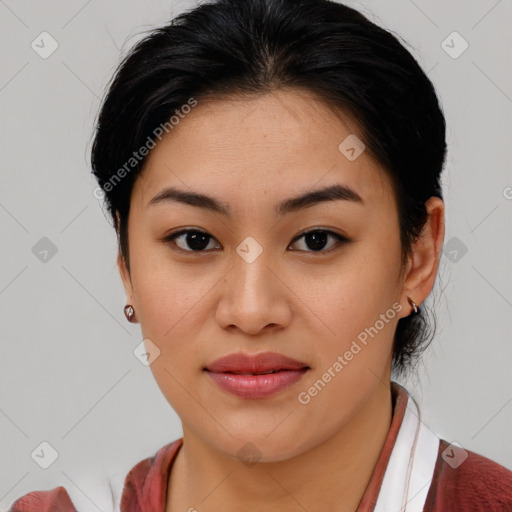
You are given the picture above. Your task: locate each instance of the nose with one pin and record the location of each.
(254, 297)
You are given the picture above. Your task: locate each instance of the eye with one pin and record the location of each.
(198, 241)
(317, 238)
(195, 239)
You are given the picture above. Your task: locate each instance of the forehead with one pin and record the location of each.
(274, 145)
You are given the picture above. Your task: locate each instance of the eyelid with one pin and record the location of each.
(320, 228)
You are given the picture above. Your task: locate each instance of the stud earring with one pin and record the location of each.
(129, 312)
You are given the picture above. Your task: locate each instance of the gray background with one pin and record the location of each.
(68, 375)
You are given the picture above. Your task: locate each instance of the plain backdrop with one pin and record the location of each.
(68, 375)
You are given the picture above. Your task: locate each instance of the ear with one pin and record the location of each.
(424, 261)
(126, 278)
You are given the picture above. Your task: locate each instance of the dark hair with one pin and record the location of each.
(243, 47)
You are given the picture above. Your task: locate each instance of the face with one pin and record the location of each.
(251, 281)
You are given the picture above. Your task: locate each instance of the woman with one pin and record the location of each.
(272, 168)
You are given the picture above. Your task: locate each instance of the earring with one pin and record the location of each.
(415, 308)
(129, 312)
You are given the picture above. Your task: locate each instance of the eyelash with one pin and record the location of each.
(340, 239)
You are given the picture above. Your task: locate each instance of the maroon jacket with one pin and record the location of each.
(477, 485)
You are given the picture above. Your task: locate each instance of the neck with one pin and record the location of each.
(331, 476)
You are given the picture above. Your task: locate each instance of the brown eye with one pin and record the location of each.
(316, 239)
(196, 240)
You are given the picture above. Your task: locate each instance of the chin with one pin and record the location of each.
(259, 447)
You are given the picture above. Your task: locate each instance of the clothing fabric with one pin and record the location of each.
(416, 472)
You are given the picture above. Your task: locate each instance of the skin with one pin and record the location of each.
(252, 153)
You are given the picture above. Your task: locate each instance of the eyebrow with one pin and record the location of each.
(331, 193)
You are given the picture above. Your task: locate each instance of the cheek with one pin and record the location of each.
(357, 289)
(163, 291)
(358, 308)
(169, 306)
(172, 302)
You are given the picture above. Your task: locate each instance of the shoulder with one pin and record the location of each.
(146, 483)
(143, 486)
(56, 500)
(466, 481)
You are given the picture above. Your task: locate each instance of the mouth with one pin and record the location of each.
(255, 376)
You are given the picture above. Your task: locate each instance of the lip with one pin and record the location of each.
(241, 362)
(243, 374)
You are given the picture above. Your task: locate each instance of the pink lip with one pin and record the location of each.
(243, 374)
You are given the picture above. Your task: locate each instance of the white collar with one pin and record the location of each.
(411, 465)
